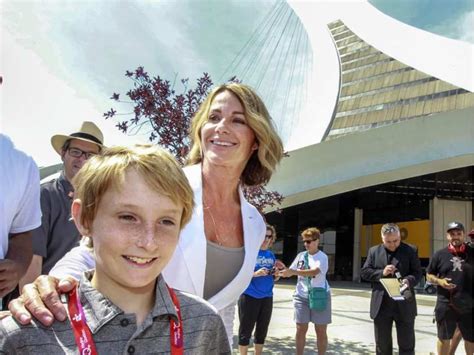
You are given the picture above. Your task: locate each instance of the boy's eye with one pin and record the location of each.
(127, 217)
(168, 222)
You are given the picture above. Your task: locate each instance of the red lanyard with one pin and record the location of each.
(176, 329)
(83, 335)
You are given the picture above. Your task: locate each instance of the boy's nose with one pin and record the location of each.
(148, 238)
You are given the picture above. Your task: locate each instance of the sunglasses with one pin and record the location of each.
(309, 241)
(390, 230)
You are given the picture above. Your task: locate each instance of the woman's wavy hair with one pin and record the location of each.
(263, 161)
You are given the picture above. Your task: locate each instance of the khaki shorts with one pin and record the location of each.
(303, 314)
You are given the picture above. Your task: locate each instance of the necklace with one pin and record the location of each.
(219, 239)
(226, 223)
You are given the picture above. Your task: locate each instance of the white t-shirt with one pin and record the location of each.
(318, 260)
(20, 209)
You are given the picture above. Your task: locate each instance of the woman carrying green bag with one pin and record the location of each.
(312, 298)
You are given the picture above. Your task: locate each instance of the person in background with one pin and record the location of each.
(313, 264)
(450, 269)
(256, 303)
(58, 234)
(455, 340)
(457, 336)
(470, 242)
(234, 144)
(20, 213)
(392, 258)
(132, 204)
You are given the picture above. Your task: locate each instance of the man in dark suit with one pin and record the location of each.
(393, 258)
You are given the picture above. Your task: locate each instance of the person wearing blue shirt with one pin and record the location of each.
(256, 303)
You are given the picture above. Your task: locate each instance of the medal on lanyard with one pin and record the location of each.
(82, 333)
(176, 329)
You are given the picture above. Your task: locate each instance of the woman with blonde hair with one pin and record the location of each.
(234, 144)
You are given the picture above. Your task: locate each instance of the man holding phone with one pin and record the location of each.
(393, 258)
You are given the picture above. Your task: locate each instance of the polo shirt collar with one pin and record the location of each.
(99, 310)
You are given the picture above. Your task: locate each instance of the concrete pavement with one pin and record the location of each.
(351, 331)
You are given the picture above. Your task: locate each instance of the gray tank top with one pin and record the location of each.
(217, 276)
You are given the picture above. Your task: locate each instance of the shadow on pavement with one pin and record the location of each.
(286, 346)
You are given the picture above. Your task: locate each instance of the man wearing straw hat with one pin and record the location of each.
(58, 234)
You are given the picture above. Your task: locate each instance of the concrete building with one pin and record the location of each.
(398, 146)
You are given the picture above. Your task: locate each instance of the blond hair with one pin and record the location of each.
(312, 233)
(263, 161)
(157, 167)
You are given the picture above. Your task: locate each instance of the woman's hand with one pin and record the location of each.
(261, 272)
(285, 273)
(279, 264)
(41, 300)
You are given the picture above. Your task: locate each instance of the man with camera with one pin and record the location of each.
(451, 270)
(393, 259)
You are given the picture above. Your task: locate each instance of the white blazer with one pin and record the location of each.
(187, 267)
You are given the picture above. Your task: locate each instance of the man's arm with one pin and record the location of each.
(444, 282)
(16, 262)
(304, 273)
(432, 275)
(370, 272)
(294, 271)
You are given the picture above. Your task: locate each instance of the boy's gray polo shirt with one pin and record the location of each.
(117, 333)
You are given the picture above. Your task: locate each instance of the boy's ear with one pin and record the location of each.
(76, 212)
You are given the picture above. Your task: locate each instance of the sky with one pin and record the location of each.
(450, 18)
(62, 60)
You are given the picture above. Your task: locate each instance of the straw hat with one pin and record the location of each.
(88, 132)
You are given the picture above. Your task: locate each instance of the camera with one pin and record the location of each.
(404, 287)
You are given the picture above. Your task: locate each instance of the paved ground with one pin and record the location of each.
(351, 331)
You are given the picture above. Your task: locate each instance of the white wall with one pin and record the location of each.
(412, 148)
(444, 212)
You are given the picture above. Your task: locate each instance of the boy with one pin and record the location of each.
(132, 203)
